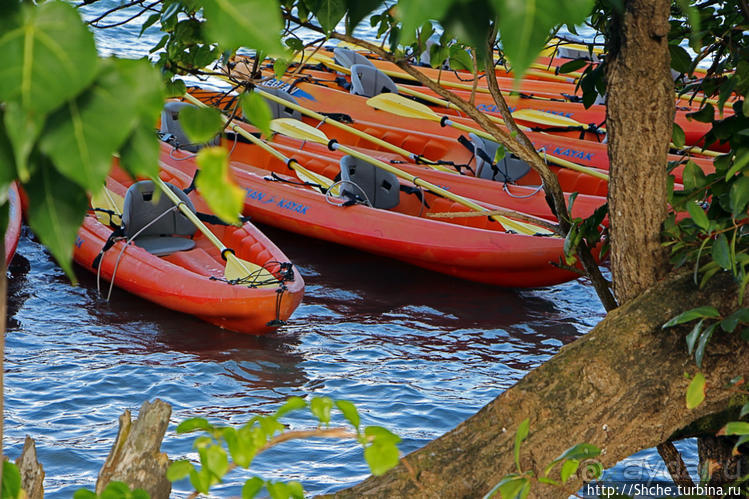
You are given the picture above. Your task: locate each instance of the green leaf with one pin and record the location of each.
(730, 323)
(256, 110)
(23, 129)
(692, 314)
(721, 252)
(678, 137)
(115, 490)
(82, 494)
(241, 449)
(48, 59)
(573, 65)
(244, 23)
(693, 176)
(179, 470)
(525, 26)
(296, 491)
(742, 159)
(580, 451)
(702, 343)
(699, 217)
(460, 59)
(201, 480)
(381, 456)
(278, 490)
(56, 210)
(696, 391)
(139, 155)
(175, 88)
(349, 412)
(379, 434)
(320, 407)
(413, 13)
(735, 428)
(569, 468)
(680, 59)
(704, 115)
(223, 195)
(251, 487)
(693, 15)
(193, 424)
(738, 196)
(11, 481)
(216, 461)
(513, 487)
(744, 410)
(520, 435)
(291, 404)
(329, 13)
(82, 136)
(357, 11)
(280, 66)
(693, 335)
(201, 124)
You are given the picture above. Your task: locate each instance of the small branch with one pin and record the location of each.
(301, 434)
(675, 464)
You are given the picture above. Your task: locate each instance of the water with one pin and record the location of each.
(415, 351)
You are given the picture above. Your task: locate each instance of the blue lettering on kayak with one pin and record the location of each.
(78, 241)
(572, 153)
(286, 87)
(558, 113)
(263, 198)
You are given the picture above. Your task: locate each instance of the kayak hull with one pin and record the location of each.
(191, 281)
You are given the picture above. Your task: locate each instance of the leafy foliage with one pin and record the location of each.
(223, 448)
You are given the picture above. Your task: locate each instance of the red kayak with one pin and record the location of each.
(473, 248)
(13, 231)
(192, 280)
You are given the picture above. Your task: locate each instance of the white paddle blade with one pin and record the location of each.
(399, 105)
(298, 130)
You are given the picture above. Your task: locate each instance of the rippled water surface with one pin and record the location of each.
(415, 351)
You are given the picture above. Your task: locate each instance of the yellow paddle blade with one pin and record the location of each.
(248, 273)
(543, 118)
(298, 130)
(397, 104)
(108, 200)
(522, 227)
(311, 177)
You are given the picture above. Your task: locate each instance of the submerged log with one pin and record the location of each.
(621, 387)
(32, 472)
(136, 458)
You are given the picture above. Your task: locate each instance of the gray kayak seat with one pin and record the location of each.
(576, 53)
(162, 236)
(170, 125)
(278, 110)
(369, 81)
(381, 188)
(508, 169)
(347, 57)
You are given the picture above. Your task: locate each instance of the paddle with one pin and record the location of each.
(236, 269)
(305, 175)
(297, 129)
(529, 115)
(397, 104)
(385, 145)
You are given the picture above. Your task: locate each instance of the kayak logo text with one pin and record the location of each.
(572, 153)
(263, 198)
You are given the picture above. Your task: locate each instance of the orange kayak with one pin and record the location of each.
(473, 248)
(13, 231)
(192, 281)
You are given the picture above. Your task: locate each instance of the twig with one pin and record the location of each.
(501, 212)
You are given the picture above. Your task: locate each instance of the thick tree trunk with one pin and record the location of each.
(639, 120)
(620, 387)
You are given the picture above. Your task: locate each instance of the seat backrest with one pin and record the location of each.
(370, 81)
(347, 57)
(508, 169)
(170, 125)
(140, 210)
(381, 188)
(278, 110)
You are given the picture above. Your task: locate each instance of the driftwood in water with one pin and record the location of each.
(620, 387)
(136, 458)
(32, 472)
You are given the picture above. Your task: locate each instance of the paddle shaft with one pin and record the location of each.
(292, 163)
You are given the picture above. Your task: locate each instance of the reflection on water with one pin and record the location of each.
(417, 352)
